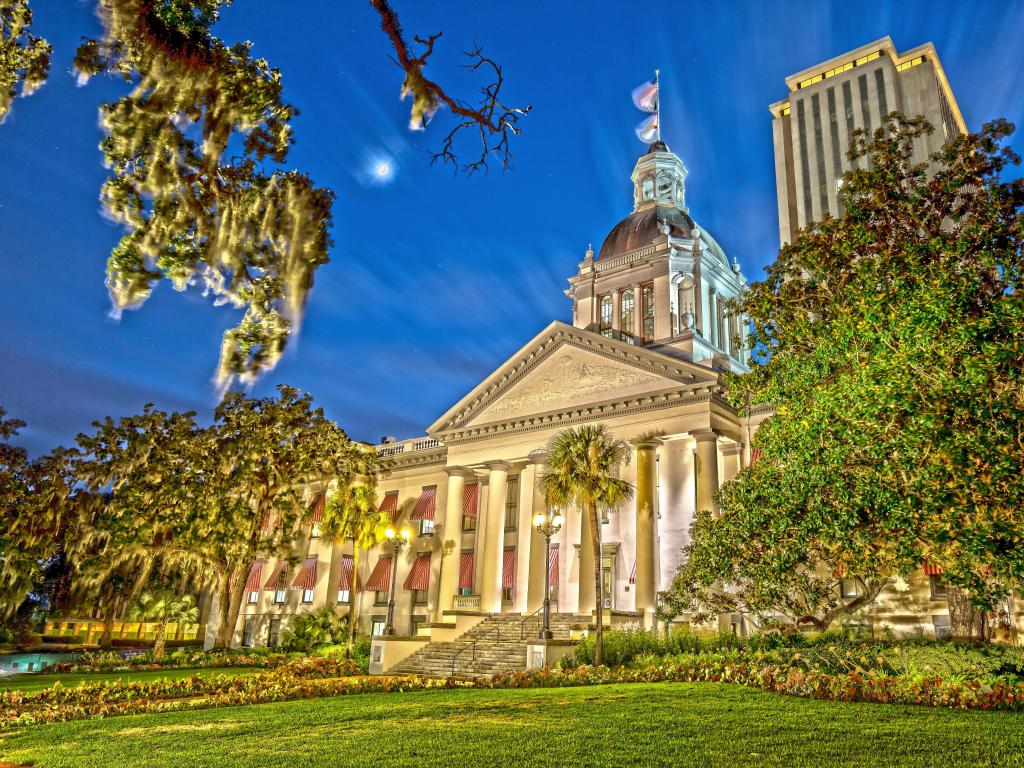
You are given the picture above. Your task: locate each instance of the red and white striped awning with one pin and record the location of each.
(931, 569)
(345, 581)
(390, 505)
(380, 579)
(424, 509)
(471, 499)
(419, 576)
(277, 578)
(553, 566)
(755, 456)
(316, 509)
(266, 525)
(252, 584)
(632, 574)
(306, 577)
(466, 561)
(508, 569)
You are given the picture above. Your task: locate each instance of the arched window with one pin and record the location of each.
(626, 315)
(606, 316)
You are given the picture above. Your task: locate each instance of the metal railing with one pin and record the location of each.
(472, 645)
(522, 624)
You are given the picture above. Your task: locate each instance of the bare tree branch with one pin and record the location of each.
(494, 121)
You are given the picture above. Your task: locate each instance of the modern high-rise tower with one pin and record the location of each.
(828, 101)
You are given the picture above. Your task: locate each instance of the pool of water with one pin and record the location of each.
(16, 663)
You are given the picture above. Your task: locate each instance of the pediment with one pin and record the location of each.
(565, 368)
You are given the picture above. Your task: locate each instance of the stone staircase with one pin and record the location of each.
(496, 644)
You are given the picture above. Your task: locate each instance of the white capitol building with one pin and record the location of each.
(644, 355)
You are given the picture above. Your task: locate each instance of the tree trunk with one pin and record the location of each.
(160, 641)
(595, 538)
(352, 598)
(965, 621)
(107, 638)
(232, 589)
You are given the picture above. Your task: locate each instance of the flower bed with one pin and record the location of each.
(319, 677)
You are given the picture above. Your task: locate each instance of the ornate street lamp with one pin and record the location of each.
(397, 541)
(547, 524)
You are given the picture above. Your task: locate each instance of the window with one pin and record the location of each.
(647, 307)
(247, 633)
(626, 315)
(380, 597)
(805, 170)
(279, 595)
(506, 594)
(426, 527)
(865, 111)
(314, 532)
(937, 587)
(648, 189)
(419, 597)
(465, 591)
(511, 503)
(469, 523)
(943, 630)
(253, 597)
(848, 110)
(307, 596)
(883, 105)
(274, 635)
(344, 596)
(833, 128)
(607, 309)
(850, 588)
(819, 153)
(377, 627)
(417, 622)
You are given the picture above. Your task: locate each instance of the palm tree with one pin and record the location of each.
(582, 469)
(164, 606)
(352, 513)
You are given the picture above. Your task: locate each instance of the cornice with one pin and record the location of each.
(415, 459)
(625, 407)
(560, 336)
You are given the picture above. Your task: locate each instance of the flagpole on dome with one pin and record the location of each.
(657, 84)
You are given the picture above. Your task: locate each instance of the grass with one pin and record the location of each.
(666, 724)
(38, 681)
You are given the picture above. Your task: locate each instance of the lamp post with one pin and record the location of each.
(397, 541)
(547, 524)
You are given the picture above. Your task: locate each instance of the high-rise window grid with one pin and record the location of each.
(883, 104)
(819, 156)
(805, 167)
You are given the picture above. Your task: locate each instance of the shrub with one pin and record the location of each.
(311, 630)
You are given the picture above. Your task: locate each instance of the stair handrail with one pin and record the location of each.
(485, 633)
(522, 624)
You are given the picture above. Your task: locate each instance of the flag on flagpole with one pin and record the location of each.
(645, 97)
(647, 131)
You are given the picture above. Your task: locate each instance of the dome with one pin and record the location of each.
(643, 228)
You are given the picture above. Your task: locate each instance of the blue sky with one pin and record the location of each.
(434, 279)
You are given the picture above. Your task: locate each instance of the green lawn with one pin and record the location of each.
(638, 725)
(38, 681)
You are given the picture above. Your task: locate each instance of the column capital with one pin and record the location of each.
(646, 442)
(732, 449)
(539, 456)
(498, 465)
(459, 472)
(704, 435)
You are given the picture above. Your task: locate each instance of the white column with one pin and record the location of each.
(706, 462)
(586, 604)
(730, 461)
(451, 532)
(494, 538)
(646, 527)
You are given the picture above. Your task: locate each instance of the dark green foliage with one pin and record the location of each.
(891, 349)
(309, 631)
